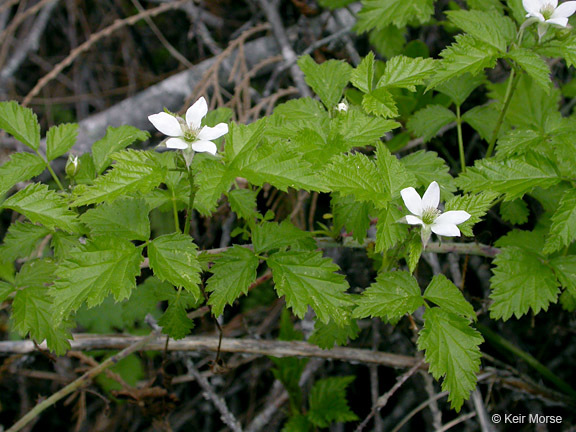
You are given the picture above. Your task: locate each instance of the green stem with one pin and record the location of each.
(175, 213)
(190, 202)
(499, 342)
(54, 176)
(460, 140)
(512, 83)
(80, 382)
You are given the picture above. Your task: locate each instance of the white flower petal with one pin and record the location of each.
(412, 200)
(196, 113)
(447, 230)
(453, 217)
(204, 146)
(560, 21)
(176, 143)
(413, 220)
(166, 123)
(532, 6)
(553, 3)
(431, 197)
(209, 133)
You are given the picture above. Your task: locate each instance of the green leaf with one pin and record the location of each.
(452, 352)
(459, 88)
(560, 47)
(21, 123)
(20, 167)
(126, 218)
(483, 120)
(279, 167)
(393, 295)
(328, 79)
(6, 289)
(299, 422)
(513, 177)
(232, 274)
(243, 203)
(467, 55)
(353, 215)
(173, 258)
(42, 205)
(445, 294)
(212, 181)
(533, 65)
(519, 142)
(328, 402)
(426, 166)
(377, 14)
(355, 174)
(104, 266)
(427, 122)
(308, 279)
(521, 282)
(359, 130)
(175, 322)
(335, 4)
(104, 318)
(116, 138)
(393, 174)
(476, 205)
(485, 5)
(389, 40)
(568, 301)
(406, 72)
(490, 27)
(36, 272)
(563, 228)
(388, 231)
(380, 102)
(268, 236)
(516, 212)
(414, 252)
(363, 76)
(60, 139)
(134, 171)
(565, 269)
(32, 313)
(330, 334)
(144, 300)
(21, 240)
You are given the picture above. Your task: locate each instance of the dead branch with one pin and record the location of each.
(86, 342)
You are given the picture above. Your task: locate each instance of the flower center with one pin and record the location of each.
(429, 215)
(190, 134)
(547, 11)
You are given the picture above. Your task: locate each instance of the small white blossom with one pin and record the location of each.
(189, 134)
(425, 213)
(342, 106)
(547, 12)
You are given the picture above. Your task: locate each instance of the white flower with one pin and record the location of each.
(548, 12)
(189, 134)
(425, 212)
(342, 106)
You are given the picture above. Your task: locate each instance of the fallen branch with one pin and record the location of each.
(136, 345)
(86, 342)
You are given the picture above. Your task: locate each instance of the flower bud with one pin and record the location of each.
(72, 166)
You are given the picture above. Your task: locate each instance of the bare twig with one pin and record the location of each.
(83, 380)
(118, 24)
(485, 422)
(383, 400)
(288, 53)
(28, 44)
(209, 393)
